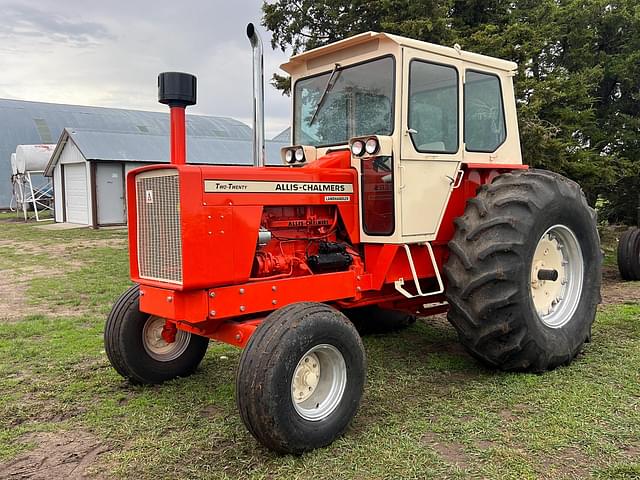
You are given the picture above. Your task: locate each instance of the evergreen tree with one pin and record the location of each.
(578, 81)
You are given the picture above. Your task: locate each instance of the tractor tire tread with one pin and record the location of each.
(257, 367)
(135, 365)
(482, 291)
(113, 327)
(629, 254)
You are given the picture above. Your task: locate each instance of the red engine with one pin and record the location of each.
(295, 241)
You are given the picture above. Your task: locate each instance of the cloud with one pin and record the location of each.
(23, 21)
(109, 54)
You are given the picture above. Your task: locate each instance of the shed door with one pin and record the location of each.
(110, 193)
(75, 195)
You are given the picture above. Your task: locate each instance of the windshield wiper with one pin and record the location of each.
(330, 84)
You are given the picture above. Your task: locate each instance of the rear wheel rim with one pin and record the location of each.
(156, 346)
(556, 301)
(318, 382)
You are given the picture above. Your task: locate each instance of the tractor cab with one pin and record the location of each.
(412, 114)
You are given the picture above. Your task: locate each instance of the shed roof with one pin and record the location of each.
(23, 122)
(100, 145)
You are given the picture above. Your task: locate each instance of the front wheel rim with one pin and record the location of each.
(156, 346)
(556, 301)
(318, 382)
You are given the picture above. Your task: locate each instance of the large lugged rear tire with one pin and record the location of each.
(524, 272)
(629, 254)
(300, 378)
(137, 351)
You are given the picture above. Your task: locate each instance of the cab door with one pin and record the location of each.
(431, 141)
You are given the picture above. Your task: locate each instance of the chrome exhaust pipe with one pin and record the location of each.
(258, 97)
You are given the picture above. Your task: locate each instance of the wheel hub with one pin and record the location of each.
(556, 276)
(318, 382)
(154, 340)
(306, 378)
(547, 294)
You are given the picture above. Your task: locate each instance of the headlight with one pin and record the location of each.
(357, 148)
(288, 156)
(299, 155)
(372, 146)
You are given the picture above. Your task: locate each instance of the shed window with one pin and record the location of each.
(484, 125)
(433, 107)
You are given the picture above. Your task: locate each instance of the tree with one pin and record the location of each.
(578, 82)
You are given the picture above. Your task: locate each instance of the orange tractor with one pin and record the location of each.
(403, 191)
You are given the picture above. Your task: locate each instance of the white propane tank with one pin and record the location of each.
(33, 158)
(14, 167)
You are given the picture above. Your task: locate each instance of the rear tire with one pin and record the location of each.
(629, 254)
(300, 378)
(135, 351)
(525, 222)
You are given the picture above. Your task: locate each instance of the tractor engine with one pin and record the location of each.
(300, 240)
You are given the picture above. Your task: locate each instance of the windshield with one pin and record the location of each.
(358, 101)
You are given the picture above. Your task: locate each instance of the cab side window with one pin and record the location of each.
(484, 124)
(433, 107)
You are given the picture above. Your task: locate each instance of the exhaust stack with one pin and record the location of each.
(178, 90)
(258, 97)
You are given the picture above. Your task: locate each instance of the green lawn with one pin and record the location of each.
(429, 411)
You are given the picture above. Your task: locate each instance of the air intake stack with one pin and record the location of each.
(178, 90)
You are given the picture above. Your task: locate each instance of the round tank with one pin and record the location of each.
(33, 158)
(14, 167)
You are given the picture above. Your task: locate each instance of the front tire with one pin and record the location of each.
(300, 378)
(524, 272)
(138, 352)
(629, 254)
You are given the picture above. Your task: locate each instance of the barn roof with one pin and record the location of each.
(23, 122)
(100, 145)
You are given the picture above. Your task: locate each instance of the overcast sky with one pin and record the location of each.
(109, 53)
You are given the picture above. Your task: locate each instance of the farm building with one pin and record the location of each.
(24, 123)
(89, 166)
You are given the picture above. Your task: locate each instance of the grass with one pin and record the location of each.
(429, 411)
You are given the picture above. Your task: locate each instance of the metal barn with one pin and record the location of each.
(27, 123)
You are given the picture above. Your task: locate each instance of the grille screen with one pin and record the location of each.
(159, 240)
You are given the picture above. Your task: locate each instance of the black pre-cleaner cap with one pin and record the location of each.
(177, 89)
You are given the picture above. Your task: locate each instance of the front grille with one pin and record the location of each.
(159, 239)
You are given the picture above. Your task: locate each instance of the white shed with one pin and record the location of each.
(89, 167)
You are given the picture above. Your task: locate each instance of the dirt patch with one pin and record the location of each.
(43, 411)
(632, 451)
(485, 444)
(57, 456)
(14, 282)
(14, 304)
(451, 452)
(12, 296)
(507, 416)
(65, 248)
(212, 412)
(616, 291)
(568, 462)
